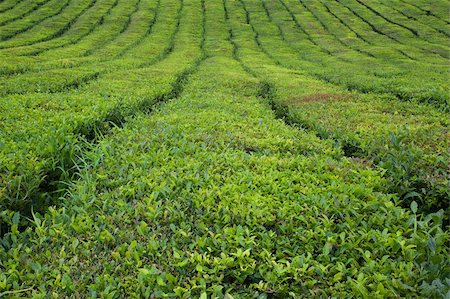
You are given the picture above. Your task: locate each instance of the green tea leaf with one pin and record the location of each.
(431, 245)
(414, 207)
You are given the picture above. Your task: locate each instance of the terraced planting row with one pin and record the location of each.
(396, 80)
(238, 149)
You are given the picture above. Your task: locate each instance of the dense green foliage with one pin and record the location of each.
(237, 149)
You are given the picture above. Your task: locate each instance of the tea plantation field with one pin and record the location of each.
(224, 148)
